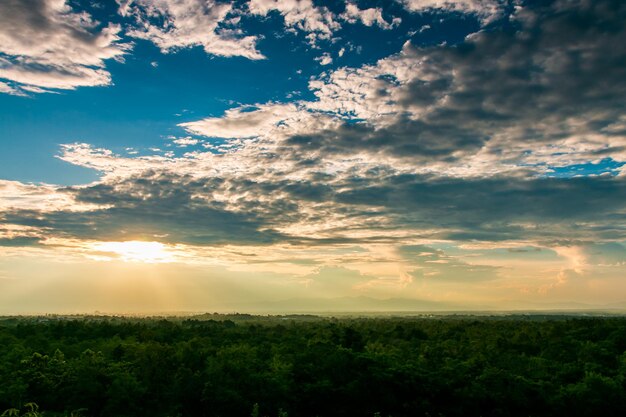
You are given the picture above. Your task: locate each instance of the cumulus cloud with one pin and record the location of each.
(318, 21)
(33, 198)
(299, 14)
(325, 59)
(369, 17)
(176, 24)
(546, 92)
(145, 208)
(45, 44)
(244, 122)
(40, 197)
(184, 142)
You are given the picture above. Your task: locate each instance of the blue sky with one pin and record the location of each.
(465, 152)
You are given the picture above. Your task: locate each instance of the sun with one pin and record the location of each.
(137, 251)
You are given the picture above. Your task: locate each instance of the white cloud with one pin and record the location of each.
(7, 89)
(486, 10)
(243, 122)
(299, 14)
(108, 163)
(53, 77)
(42, 197)
(186, 141)
(371, 91)
(175, 24)
(368, 17)
(325, 59)
(318, 21)
(47, 44)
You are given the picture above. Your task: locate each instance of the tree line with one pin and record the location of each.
(232, 366)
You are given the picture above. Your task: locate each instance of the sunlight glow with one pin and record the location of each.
(137, 251)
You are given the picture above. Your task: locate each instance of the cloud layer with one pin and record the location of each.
(438, 162)
(412, 141)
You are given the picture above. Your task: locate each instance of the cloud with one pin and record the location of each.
(486, 10)
(243, 122)
(319, 22)
(369, 17)
(45, 197)
(407, 159)
(303, 15)
(172, 208)
(588, 258)
(546, 93)
(499, 209)
(184, 142)
(246, 208)
(256, 214)
(444, 142)
(177, 24)
(325, 59)
(497, 103)
(45, 44)
(434, 264)
(19, 241)
(7, 89)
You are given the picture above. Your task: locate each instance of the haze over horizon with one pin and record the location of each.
(200, 155)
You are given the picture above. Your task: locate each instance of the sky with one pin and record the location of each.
(279, 156)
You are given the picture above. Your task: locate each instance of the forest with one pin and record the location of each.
(306, 366)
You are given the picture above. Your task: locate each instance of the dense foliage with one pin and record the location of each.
(305, 366)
